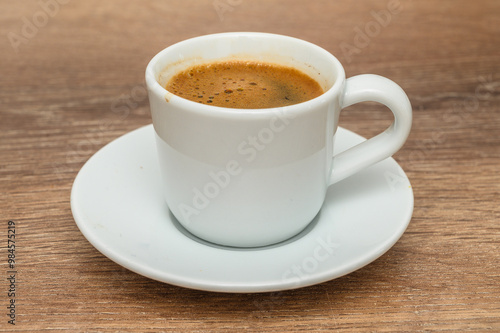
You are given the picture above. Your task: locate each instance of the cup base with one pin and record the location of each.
(292, 239)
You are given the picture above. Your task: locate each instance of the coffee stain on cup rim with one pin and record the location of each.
(168, 96)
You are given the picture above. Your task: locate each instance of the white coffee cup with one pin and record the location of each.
(254, 177)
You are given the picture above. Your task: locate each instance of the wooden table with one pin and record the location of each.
(68, 68)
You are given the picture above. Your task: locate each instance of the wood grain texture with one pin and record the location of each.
(76, 82)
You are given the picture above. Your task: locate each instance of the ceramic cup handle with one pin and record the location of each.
(374, 88)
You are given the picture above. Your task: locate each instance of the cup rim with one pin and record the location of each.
(154, 86)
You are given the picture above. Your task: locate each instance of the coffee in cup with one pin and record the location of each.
(244, 84)
(253, 177)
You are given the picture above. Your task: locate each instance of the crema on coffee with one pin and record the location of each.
(244, 84)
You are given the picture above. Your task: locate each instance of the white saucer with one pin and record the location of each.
(117, 203)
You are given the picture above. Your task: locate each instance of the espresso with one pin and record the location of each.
(244, 85)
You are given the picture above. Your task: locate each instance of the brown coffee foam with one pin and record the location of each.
(244, 84)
